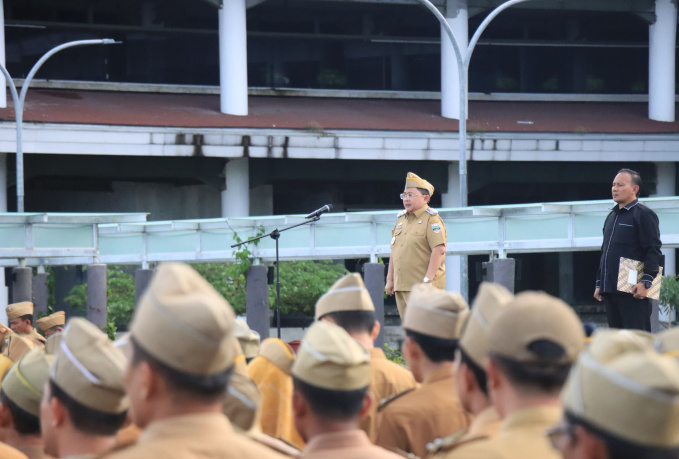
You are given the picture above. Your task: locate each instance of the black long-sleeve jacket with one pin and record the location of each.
(631, 232)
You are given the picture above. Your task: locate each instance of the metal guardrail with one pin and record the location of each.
(68, 239)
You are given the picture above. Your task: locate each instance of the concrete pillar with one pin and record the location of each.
(4, 292)
(142, 279)
(233, 59)
(452, 199)
(457, 16)
(40, 294)
(566, 277)
(22, 285)
(3, 82)
(501, 271)
(667, 186)
(236, 197)
(257, 311)
(374, 282)
(96, 295)
(662, 41)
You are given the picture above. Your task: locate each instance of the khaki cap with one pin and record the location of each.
(534, 316)
(435, 312)
(623, 387)
(347, 294)
(248, 339)
(18, 346)
(17, 310)
(278, 353)
(413, 181)
(667, 342)
(184, 323)
(53, 320)
(52, 343)
(489, 302)
(329, 358)
(242, 402)
(89, 368)
(24, 382)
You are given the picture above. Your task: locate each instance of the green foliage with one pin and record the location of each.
(303, 282)
(669, 294)
(77, 299)
(110, 330)
(394, 355)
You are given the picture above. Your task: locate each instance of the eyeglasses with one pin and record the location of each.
(561, 435)
(409, 195)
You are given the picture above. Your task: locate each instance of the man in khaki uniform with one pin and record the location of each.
(348, 304)
(248, 340)
(532, 344)
(182, 359)
(20, 317)
(84, 402)
(54, 323)
(621, 401)
(418, 244)
(470, 360)
(331, 376)
(432, 324)
(20, 403)
(16, 347)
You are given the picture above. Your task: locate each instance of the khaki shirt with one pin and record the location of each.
(386, 379)
(484, 426)
(7, 452)
(208, 435)
(36, 337)
(421, 416)
(34, 451)
(353, 444)
(412, 240)
(521, 436)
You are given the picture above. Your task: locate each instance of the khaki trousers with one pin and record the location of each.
(401, 302)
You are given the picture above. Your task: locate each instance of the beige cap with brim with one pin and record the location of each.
(16, 310)
(24, 382)
(331, 359)
(624, 388)
(89, 368)
(435, 312)
(242, 402)
(184, 323)
(248, 339)
(53, 320)
(279, 353)
(667, 342)
(489, 302)
(347, 294)
(531, 317)
(52, 343)
(413, 181)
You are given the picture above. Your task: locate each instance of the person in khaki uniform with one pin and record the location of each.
(621, 400)
(182, 359)
(470, 375)
(348, 304)
(20, 403)
(16, 347)
(532, 344)
(84, 402)
(248, 340)
(54, 323)
(418, 244)
(20, 317)
(331, 377)
(432, 324)
(270, 370)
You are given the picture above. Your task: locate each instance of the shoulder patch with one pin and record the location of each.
(431, 211)
(386, 401)
(401, 213)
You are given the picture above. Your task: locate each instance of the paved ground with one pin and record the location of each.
(188, 110)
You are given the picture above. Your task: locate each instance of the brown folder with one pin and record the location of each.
(630, 274)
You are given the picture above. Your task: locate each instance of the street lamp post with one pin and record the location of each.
(463, 77)
(21, 98)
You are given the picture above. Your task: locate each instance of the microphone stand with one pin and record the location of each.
(275, 235)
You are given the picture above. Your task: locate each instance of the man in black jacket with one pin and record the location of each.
(631, 230)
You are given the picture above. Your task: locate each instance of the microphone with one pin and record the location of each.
(322, 210)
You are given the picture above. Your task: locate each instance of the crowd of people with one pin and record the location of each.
(514, 376)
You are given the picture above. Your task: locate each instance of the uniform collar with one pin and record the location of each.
(440, 375)
(627, 207)
(183, 425)
(377, 353)
(338, 440)
(485, 417)
(419, 212)
(546, 415)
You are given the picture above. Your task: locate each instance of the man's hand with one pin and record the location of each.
(639, 291)
(389, 288)
(597, 294)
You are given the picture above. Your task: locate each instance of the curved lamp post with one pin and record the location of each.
(463, 76)
(21, 98)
